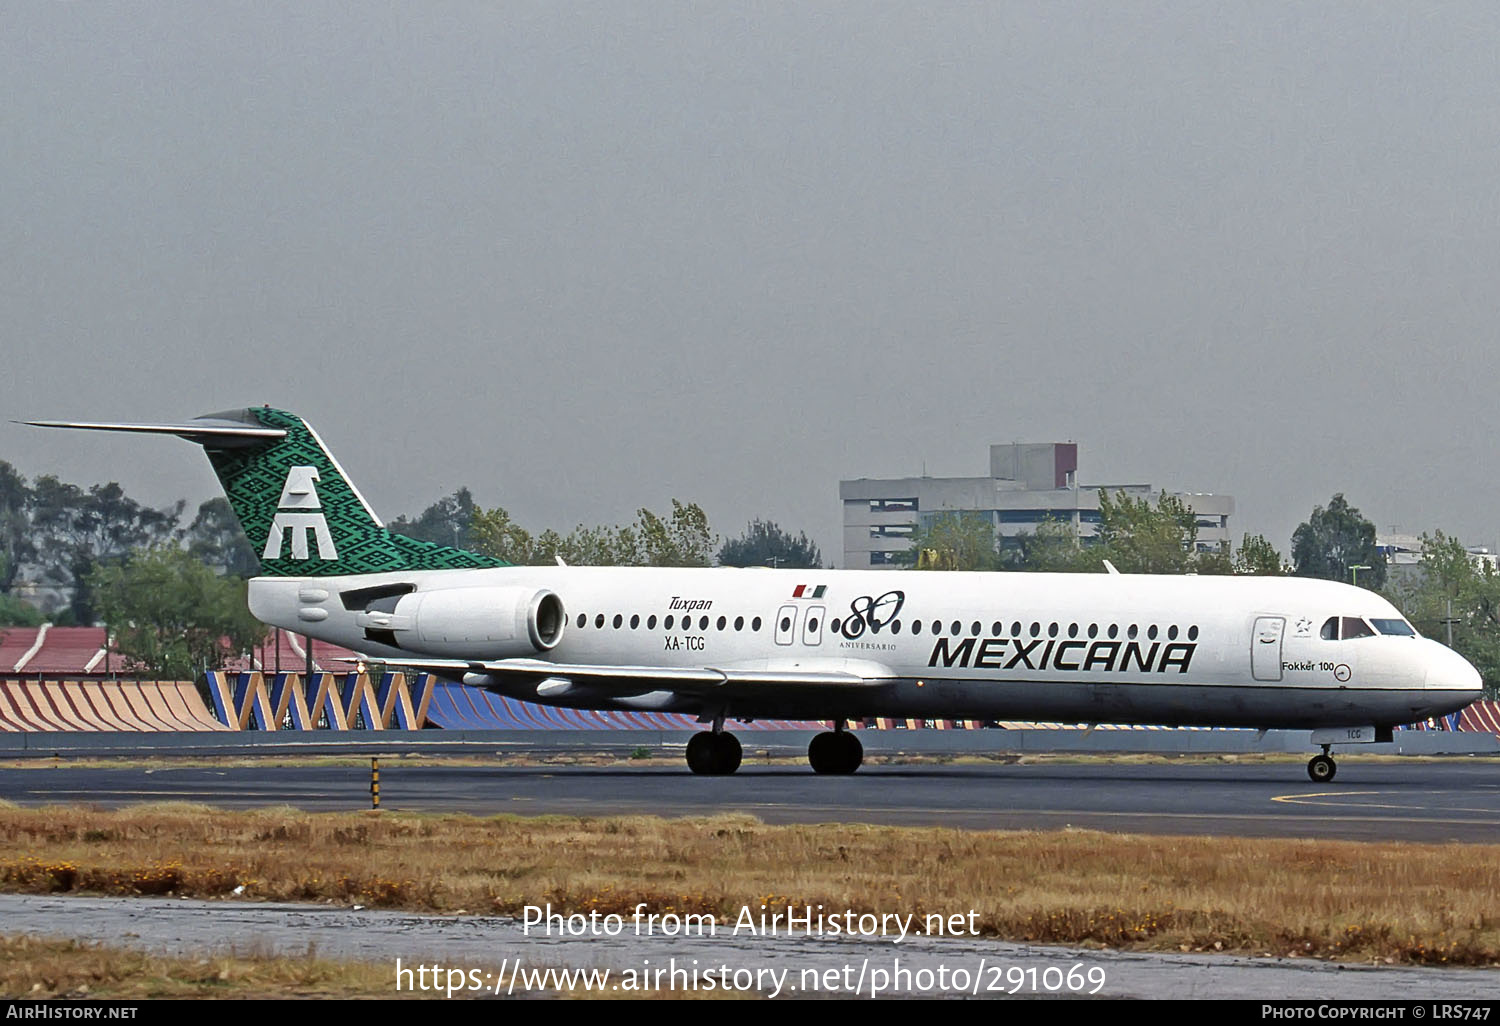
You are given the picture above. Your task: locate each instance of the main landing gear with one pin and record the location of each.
(1321, 768)
(717, 753)
(835, 751)
(714, 753)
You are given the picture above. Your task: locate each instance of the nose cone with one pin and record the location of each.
(1449, 671)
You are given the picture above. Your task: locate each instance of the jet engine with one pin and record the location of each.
(473, 623)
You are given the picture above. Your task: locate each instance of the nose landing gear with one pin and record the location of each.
(1321, 768)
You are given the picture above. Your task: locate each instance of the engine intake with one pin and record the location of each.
(479, 623)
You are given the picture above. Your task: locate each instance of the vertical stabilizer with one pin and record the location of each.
(300, 511)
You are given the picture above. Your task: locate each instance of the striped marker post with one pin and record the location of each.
(375, 784)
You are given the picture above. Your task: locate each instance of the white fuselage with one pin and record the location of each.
(1091, 648)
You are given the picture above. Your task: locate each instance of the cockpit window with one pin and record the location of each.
(1354, 627)
(1394, 627)
(1331, 629)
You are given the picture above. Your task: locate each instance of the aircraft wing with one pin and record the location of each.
(558, 678)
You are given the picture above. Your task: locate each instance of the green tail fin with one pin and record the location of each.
(302, 514)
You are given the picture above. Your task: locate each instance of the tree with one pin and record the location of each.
(74, 532)
(449, 521)
(1139, 539)
(764, 543)
(1454, 593)
(1054, 547)
(15, 612)
(1135, 536)
(1258, 556)
(681, 538)
(1335, 539)
(217, 539)
(170, 616)
(954, 540)
(15, 525)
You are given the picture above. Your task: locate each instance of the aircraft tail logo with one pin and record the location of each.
(298, 495)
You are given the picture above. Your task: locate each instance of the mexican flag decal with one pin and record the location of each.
(809, 591)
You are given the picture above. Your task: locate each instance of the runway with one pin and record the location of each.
(1407, 800)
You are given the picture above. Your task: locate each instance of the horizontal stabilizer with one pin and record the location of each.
(213, 432)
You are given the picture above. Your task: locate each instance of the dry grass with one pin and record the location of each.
(45, 968)
(33, 968)
(1408, 903)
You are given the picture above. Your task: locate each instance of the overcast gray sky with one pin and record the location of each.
(585, 258)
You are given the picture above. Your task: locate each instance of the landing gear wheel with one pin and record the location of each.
(1321, 768)
(714, 755)
(727, 754)
(700, 752)
(835, 753)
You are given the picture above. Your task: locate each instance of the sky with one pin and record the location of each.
(584, 258)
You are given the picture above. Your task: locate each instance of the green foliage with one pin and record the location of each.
(15, 525)
(1453, 584)
(1140, 539)
(1135, 536)
(1332, 540)
(1052, 548)
(15, 612)
(170, 616)
(1258, 556)
(219, 542)
(954, 540)
(75, 531)
(764, 543)
(448, 521)
(681, 538)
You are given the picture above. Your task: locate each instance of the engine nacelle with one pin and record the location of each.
(479, 623)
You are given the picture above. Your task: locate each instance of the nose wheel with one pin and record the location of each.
(714, 754)
(835, 752)
(1321, 768)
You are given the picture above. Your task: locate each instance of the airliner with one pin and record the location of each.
(728, 644)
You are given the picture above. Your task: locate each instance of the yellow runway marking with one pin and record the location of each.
(1301, 799)
(1087, 813)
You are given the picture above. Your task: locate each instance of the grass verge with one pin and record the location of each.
(1404, 903)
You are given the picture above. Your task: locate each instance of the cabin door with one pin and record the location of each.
(1265, 647)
